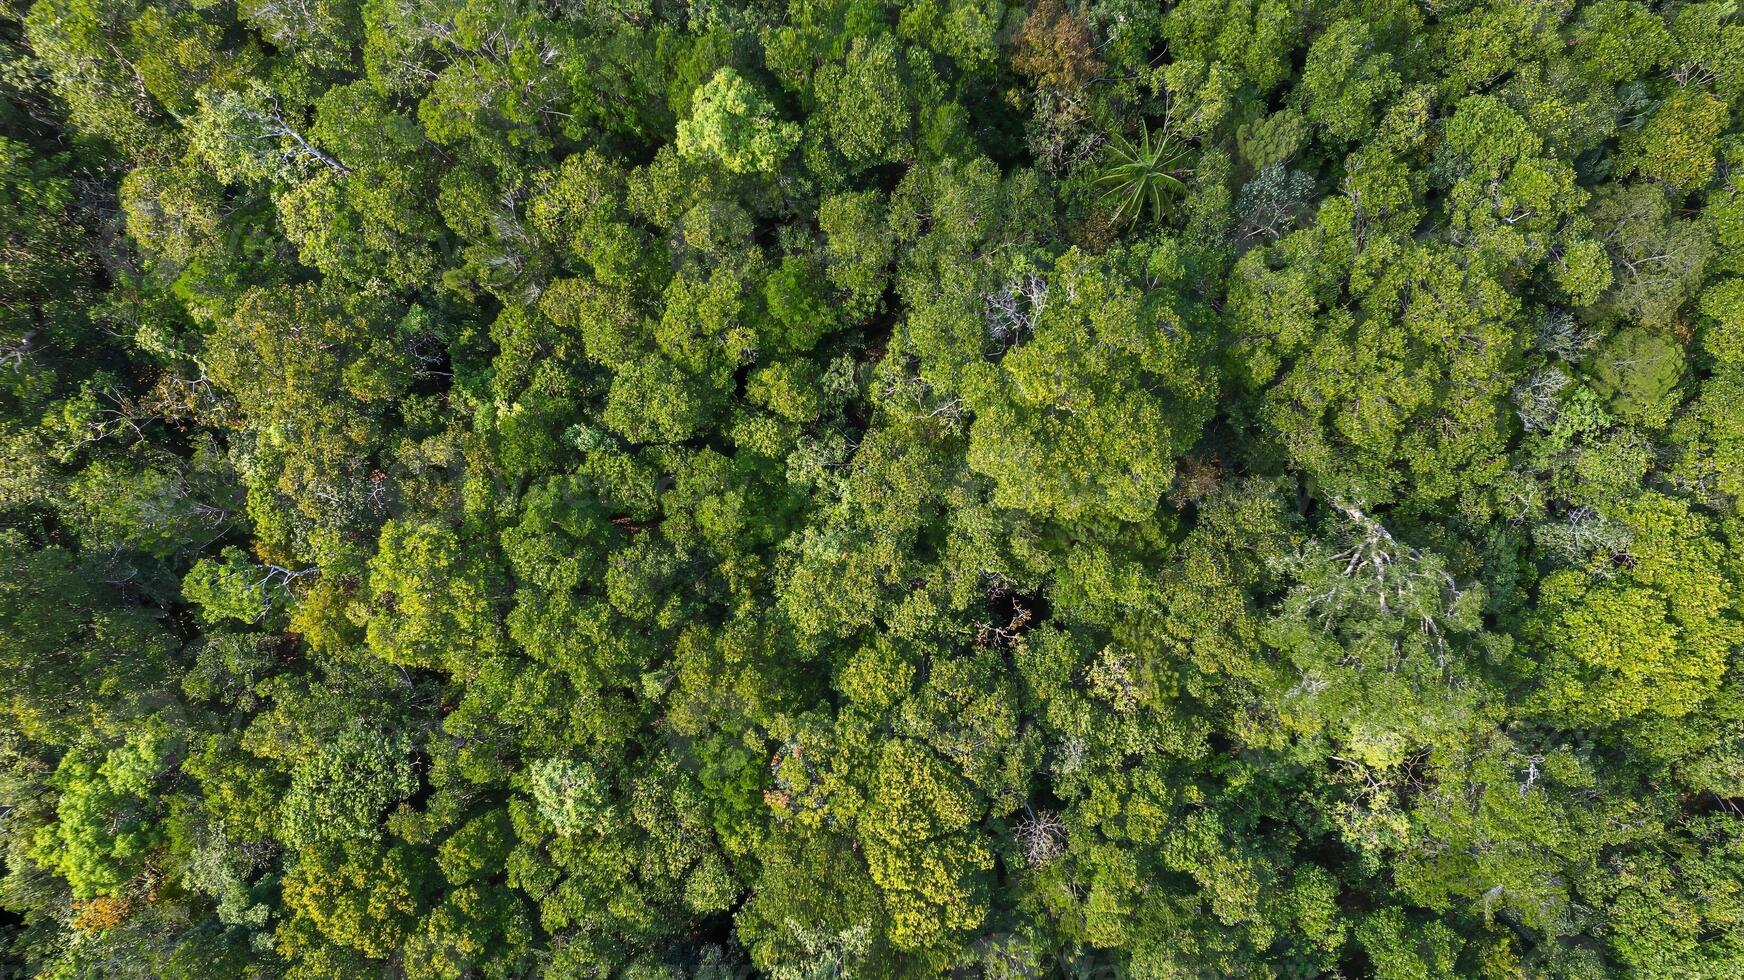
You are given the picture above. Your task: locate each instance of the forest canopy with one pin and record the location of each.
(837, 488)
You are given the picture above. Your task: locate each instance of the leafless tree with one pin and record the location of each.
(1536, 399)
(1581, 533)
(1012, 310)
(1559, 334)
(1042, 835)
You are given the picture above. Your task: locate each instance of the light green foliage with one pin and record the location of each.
(1272, 140)
(108, 821)
(1723, 303)
(1654, 639)
(1483, 45)
(173, 214)
(1349, 409)
(364, 897)
(1378, 634)
(361, 220)
(341, 792)
(1621, 630)
(430, 605)
(966, 31)
(1345, 79)
(929, 871)
(237, 588)
(582, 212)
(77, 42)
(1621, 40)
(1401, 952)
(1512, 202)
(733, 123)
(569, 795)
(655, 400)
(1255, 36)
(1540, 800)
(1708, 40)
(864, 103)
(1678, 908)
(244, 136)
(1676, 144)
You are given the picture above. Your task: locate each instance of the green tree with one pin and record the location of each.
(110, 817)
(731, 122)
(1346, 77)
(1102, 390)
(865, 102)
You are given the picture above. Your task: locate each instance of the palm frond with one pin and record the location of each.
(1145, 174)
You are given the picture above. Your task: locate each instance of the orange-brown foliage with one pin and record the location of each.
(1054, 47)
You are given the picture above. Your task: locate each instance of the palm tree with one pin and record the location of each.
(1147, 172)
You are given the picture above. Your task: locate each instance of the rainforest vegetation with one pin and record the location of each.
(820, 489)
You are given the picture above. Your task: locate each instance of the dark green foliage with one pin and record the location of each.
(835, 488)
